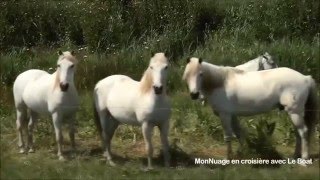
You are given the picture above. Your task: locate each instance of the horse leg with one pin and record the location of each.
(202, 99)
(31, 124)
(72, 130)
(57, 118)
(236, 128)
(147, 135)
(108, 125)
(21, 126)
(298, 121)
(226, 124)
(164, 129)
(297, 151)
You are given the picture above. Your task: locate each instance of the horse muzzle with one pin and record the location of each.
(194, 96)
(158, 89)
(64, 87)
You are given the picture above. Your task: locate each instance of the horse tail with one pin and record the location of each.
(97, 119)
(311, 109)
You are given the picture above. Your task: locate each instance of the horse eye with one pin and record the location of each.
(58, 65)
(200, 74)
(151, 67)
(72, 66)
(166, 67)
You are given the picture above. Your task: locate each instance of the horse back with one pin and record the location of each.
(285, 77)
(23, 80)
(106, 85)
(261, 90)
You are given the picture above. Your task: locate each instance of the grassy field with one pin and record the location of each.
(117, 37)
(194, 133)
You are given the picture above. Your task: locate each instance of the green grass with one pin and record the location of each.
(194, 128)
(112, 37)
(195, 132)
(87, 164)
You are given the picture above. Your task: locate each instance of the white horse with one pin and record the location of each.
(233, 92)
(260, 63)
(120, 99)
(39, 92)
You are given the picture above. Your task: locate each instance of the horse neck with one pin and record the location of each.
(56, 79)
(146, 82)
(213, 70)
(260, 64)
(213, 77)
(253, 65)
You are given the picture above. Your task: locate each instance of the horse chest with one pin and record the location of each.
(157, 110)
(124, 115)
(219, 100)
(66, 102)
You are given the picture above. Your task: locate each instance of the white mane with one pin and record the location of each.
(215, 76)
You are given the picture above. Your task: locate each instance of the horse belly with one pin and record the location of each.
(35, 98)
(243, 103)
(36, 104)
(120, 104)
(124, 115)
(251, 106)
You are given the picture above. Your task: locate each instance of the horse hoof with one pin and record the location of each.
(61, 158)
(147, 169)
(31, 150)
(22, 151)
(111, 163)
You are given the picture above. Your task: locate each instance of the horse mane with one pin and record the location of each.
(56, 80)
(216, 76)
(146, 82)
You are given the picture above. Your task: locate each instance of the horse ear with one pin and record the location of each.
(200, 60)
(266, 55)
(166, 53)
(188, 60)
(73, 53)
(60, 52)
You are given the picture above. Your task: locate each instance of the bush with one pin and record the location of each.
(104, 25)
(271, 20)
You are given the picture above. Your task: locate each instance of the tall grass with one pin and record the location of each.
(117, 37)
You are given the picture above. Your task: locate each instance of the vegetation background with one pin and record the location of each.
(117, 37)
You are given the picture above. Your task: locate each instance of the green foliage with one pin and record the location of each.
(104, 25)
(117, 37)
(270, 20)
(259, 140)
(111, 24)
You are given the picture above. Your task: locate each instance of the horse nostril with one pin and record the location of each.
(64, 87)
(158, 89)
(194, 95)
